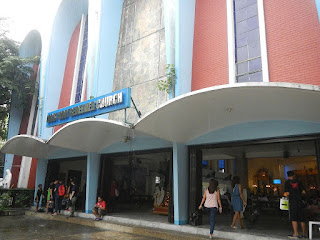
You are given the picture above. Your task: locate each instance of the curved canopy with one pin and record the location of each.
(89, 135)
(25, 145)
(183, 118)
(200, 112)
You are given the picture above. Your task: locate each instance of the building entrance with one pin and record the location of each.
(64, 170)
(262, 168)
(138, 183)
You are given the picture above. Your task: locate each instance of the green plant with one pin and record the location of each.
(4, 201)
(23, 199)
(167, 84)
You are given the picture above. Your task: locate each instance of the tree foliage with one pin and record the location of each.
(17, 79)
(168, 83)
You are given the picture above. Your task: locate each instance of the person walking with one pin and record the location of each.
(294, 190)
(238, 202)
(73, 197)
(212, 203)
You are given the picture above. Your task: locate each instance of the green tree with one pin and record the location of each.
(17, 78)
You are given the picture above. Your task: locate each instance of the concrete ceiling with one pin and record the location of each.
(292, 149)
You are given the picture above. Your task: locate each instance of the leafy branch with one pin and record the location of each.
(167, 84)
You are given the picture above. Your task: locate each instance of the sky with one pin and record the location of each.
(27, 15)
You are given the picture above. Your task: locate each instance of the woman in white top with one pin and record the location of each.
(211, 199)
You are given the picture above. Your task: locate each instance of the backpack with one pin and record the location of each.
(62, 190)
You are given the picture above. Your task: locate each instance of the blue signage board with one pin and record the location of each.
(96, 106)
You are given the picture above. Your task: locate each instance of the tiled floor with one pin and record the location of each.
(273, 224)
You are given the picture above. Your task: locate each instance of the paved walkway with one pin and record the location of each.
(145, 232)
(157, 227)
(32, 227)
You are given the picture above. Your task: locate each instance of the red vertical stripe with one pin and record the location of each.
(293, 41)
(210, 46)
(32, 175)
(69, 71)
(16, 164)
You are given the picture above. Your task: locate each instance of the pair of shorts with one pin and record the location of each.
(296, 211)
(100, 211)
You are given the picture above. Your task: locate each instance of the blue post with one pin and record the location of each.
(41, 175)
(184, 31)
(318, 8)
(93, 167)
(180, 183)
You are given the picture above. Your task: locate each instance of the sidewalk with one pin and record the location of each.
(148, 228)
(108, 225)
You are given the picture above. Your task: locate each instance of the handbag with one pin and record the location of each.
(284, 204)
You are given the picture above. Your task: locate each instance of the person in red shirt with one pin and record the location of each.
(99, 209)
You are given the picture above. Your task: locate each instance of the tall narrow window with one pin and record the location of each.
(81, 74)
(247, 41)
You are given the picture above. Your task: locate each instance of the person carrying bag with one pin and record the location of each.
(212, 203)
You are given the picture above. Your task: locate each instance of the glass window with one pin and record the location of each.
(255, 77)
(247, 41)
(242, 68)
(243, 78)
(242, 53)
(82, 63)
(254, 49)
(255, 65)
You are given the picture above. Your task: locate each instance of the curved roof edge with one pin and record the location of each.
(175, 121)
(234, 85)
(85, 120)
(26, 145)
(196, 113)
(99, 132)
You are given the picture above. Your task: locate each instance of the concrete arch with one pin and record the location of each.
(200, 112)
(68, 16)
(26, 145)
(90, 134)
(31, 45)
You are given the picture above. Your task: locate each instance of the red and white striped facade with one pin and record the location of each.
(289, 38)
